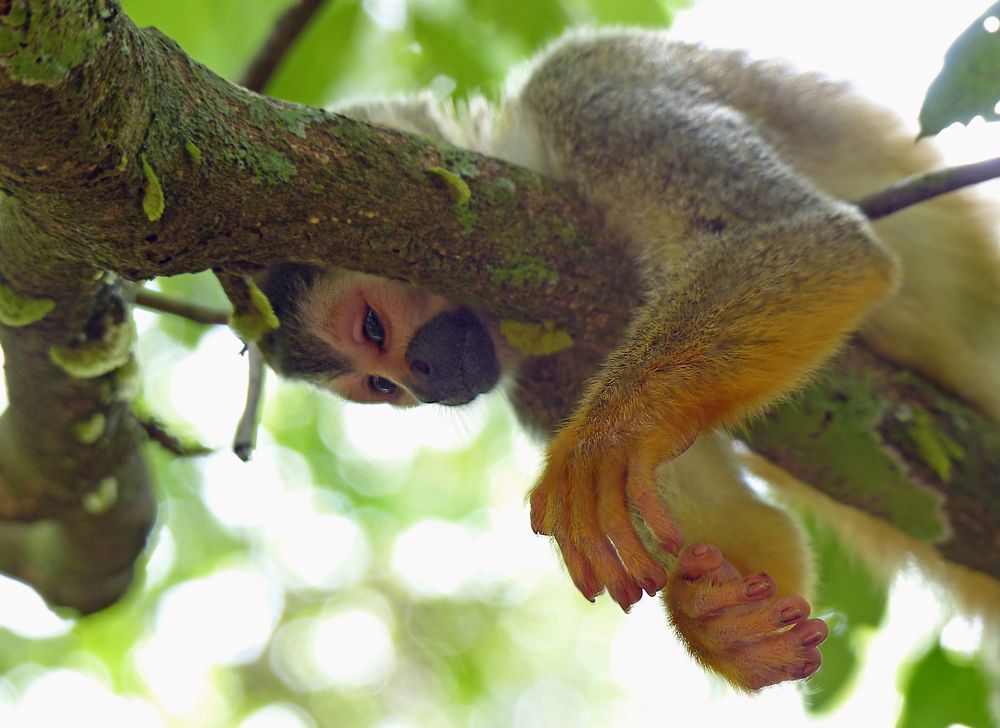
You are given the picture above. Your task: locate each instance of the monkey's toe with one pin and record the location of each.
(706, 584)
(701, 560)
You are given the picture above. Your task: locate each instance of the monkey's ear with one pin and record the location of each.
(291, 350)
(285, 283)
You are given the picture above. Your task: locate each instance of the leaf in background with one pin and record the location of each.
(523, 24)
(968, 84)
(222, 34)
(462, 51)
(853, 602)
(635, 12)
(943, 689)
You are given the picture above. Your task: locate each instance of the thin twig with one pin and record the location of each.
(159, 434)
(238, 291)
(922, 187)
(191, 311)
(283, 36)
(246, 430)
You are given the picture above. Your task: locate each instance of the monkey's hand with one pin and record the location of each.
(738, 626)
(599, 466)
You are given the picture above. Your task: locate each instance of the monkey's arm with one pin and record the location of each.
(745, 320)
(754, 275)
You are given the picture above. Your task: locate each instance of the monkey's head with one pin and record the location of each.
(370, 339)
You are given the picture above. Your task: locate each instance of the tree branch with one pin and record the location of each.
(246, 430)
(160, 303)
(200, 174)
(283, 36)
(922, 187)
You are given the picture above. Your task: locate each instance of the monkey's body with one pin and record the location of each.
(727, 177)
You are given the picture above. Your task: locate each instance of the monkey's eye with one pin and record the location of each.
(373, 329)
(381, 384)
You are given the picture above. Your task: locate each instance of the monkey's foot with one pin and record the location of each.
(737, 625)
(583, 501)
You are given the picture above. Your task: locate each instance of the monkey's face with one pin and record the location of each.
(370, 339)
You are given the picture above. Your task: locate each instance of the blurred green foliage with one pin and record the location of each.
(853, 603)
(939, 673)
(380, 46)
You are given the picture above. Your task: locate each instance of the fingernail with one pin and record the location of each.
(699, 550)
(758, 588)
(791, 614)
(621, 599)
(814, 639)
(808, 669)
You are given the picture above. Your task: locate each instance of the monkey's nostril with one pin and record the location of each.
(420, 367)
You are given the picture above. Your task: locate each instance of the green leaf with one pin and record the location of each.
(853, 603)
(943, 689)
(633, 12)
(460, 51)
(523, 25)
(967, 85)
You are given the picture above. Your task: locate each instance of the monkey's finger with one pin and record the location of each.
(585, 531)
(702, 559)
(542, 520)
(615, 520)
(642, 491)
(609, 570)
(550, 500)
(579, 570)
(789, 610)
(707, 588)
(808, 634)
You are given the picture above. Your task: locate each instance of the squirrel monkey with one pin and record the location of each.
(727, 177)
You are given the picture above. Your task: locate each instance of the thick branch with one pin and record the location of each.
(75, 497)
(890, 443)
(243, 181)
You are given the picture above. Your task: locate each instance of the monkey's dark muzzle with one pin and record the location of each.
(452, 359)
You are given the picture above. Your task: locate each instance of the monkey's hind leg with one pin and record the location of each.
(738, 626)
(737, 594)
